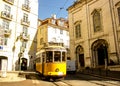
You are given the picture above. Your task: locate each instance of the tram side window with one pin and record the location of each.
(38, 60)
(63, 56)
(57, 56)
(43, 57)
(49, 55)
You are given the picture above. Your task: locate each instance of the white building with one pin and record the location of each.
(53, 30)
(18, 23)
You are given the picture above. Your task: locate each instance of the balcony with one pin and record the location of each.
(24, 37)
(7, 32)
(26, 23)
(6, 15)
(26, 7)
(9, 1)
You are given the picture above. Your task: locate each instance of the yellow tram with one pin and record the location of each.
(51, 62)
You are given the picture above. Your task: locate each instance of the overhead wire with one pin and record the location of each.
(61, 8)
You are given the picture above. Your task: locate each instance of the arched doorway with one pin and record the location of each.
(80, 56)
(23, 64)
(3, 63)
(100, 53)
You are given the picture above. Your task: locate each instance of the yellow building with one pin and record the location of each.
(53, 30)
(18, 23)
(94, 27)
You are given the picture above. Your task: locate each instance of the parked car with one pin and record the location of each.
(71, 66)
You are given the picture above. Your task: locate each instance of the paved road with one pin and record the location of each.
(70, 80)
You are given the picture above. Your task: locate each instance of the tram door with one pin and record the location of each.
(102, 55)
(24, 64)
(81, 60)
(43, 65)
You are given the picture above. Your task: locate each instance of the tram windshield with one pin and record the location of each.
(55, 56)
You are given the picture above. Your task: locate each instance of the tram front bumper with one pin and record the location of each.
(56, 74)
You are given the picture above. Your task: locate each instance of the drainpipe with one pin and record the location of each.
(114, 29)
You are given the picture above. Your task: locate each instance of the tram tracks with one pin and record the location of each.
(99, 83)
(102, 81)
(77, 79)
(61, 83)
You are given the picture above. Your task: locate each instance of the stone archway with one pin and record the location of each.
(23, 64)
(80, 56)
(99, 53)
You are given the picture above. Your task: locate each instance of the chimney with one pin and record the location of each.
(53, 16)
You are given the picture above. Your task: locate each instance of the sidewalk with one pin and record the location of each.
(12, 77)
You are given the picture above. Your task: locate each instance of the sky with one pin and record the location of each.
(50, 7)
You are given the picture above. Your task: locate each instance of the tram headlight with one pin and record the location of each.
(57, 70)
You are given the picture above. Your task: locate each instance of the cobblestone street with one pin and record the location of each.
(78, 79)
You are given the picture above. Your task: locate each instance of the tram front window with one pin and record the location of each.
(49, 55)
(57, 56)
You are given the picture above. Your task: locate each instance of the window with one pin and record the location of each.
(7, 9)
(49, 56)
(53, 21)
(38, 60)
(25, 17)
(96, 21)
(118, 13)
(41, 41)
(61, 31)
(61, 23)
(78, 31)
(3, 41)
(26, 2)
(24, 44)
(25, 30)
(5, 24)
(57, 56)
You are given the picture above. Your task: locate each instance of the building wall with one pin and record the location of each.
(50, 32)
(41, 33)
(82, 12)
(54, 33)
(14, 40)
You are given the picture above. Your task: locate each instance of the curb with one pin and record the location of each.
(12, 77)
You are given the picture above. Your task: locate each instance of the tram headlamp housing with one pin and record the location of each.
(57, 70)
